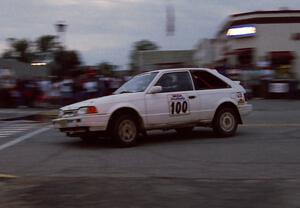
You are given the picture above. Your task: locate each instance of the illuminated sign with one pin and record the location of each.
(39, 64)
(241, 31)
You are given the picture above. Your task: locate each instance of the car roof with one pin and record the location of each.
(183, 69)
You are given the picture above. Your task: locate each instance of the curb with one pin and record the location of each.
(42, 115)
(51, 114)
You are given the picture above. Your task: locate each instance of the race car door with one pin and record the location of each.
(175, 104)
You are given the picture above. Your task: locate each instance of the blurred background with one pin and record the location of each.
(62, 51)
(56, 52)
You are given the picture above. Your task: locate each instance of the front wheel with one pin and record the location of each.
(225, 122)
(125, 131)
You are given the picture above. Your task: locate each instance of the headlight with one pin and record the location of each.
(87, 110)
(82, 111)
(60, 113)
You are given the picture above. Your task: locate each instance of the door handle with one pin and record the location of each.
(192, 96)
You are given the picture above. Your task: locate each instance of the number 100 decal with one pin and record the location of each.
(178, 105)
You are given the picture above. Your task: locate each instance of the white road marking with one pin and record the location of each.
(24, 137)
(21, 125)
(5, 134)
(11, 131)
(5, 131)
(15, 128)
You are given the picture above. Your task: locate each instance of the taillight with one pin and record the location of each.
(241, 98)
(239, 95)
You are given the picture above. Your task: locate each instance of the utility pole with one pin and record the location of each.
(61, 28)
(170, 19)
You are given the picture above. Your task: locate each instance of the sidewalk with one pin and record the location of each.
(15, 113)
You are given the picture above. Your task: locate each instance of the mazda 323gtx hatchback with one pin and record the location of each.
(179, 99)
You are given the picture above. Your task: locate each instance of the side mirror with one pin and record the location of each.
(155, 89)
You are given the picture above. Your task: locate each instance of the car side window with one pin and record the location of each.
(204, 80)
(175, 81)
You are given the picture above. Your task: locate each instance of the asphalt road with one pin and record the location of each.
(259, 167)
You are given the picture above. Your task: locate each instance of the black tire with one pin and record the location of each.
(124, 131)
(185, 131)
(225, 122)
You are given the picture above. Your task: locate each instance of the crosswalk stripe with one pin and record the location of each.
(24, 137)
(5, 134)
(17, 129)
(18, 126)
(10, 132)
(14, 125)
(23, 124)
(12, 128)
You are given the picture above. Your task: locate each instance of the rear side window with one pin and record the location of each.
(204, 80)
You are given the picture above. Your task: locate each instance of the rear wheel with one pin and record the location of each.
(225, 122)
(124, 131)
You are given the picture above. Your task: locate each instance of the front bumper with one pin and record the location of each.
(78, 124)
(245, 109)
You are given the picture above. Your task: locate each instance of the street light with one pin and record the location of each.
(61, 28)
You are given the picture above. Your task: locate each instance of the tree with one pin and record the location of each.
(142, 45)
(9, 53)
(61, 61)
(46, 43)
(65, 62)
(21, 48)
(107, 69)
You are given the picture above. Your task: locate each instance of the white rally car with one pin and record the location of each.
(177, 99)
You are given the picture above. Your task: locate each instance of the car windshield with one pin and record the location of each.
(138, 83)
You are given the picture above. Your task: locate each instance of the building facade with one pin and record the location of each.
(20, 70)
(154, 60)
(256, 40)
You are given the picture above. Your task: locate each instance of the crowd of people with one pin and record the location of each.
(54, 92)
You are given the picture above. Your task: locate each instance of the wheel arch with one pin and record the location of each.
(228, 104)
(126, 110)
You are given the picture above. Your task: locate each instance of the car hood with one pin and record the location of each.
(105, 100)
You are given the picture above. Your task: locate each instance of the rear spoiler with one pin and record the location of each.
(237, 82)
